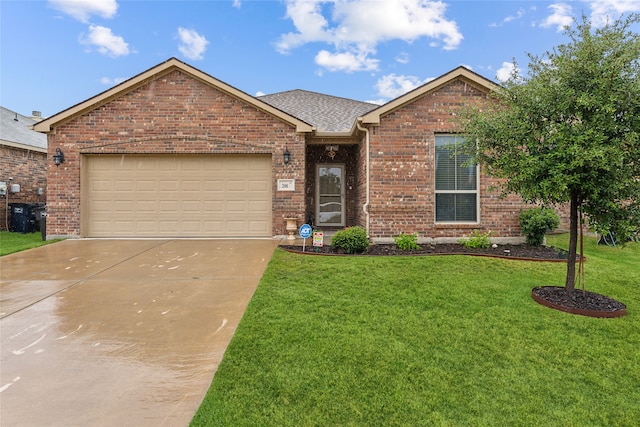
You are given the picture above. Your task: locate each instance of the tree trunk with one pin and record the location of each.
(570, 283)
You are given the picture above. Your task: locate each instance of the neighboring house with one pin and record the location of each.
(174, 152)
(23, 162)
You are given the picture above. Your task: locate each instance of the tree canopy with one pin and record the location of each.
(569, 130)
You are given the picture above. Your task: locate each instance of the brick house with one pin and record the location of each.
(23, 160)
(174, 152)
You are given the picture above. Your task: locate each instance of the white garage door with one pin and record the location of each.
(176, 196)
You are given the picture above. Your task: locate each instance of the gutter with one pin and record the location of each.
(365, 207)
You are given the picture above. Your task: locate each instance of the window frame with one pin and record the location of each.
(476, 191)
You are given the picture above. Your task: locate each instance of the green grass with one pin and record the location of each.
(15, 242)
(433, 341)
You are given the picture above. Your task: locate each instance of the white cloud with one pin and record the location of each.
(515, 17)
(259, 93)
(393, 86)
(356, 27)
(192, 45)
(237, 4)
(347, 61)
(519, 14)
(403, 58)
(504, 73)
(112, 81)
(82, 10)
(560, 17)
(105, 41)
(603, 11)
(308, 20)
(380, 101)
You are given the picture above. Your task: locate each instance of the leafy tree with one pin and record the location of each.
(569, 131)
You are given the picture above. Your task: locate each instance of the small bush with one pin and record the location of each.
(477, 240)
(351, 240)
(535, 222)
(407, 242)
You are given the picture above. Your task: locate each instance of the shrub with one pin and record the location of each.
(407, 242)
(536, 221)
(351, 240)
(477, 240)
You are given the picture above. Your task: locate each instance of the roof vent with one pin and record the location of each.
(35, 113)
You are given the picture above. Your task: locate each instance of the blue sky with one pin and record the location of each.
(57, 53)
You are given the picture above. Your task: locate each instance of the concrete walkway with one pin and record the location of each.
(119, 332)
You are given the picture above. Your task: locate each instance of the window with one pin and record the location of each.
(456, 182)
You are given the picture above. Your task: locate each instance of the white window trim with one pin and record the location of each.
(476, 191)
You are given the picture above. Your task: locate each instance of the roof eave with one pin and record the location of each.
(22, 146)
(329, 134)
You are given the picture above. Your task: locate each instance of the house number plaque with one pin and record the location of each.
(286, 185)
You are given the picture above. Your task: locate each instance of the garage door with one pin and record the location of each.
(176, 196)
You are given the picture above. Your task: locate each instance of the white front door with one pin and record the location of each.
(330, 195)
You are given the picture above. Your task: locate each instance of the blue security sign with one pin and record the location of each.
(305, 231)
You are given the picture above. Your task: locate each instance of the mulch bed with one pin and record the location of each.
(580, 302)
(519, 251)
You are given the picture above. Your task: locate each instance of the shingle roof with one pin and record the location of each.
(327, 113)
(19, 131)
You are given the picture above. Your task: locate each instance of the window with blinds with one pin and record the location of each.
(456, 182)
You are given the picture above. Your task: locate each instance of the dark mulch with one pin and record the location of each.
(520, 251)
(579, 302)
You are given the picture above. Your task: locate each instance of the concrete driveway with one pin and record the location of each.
(119, 332)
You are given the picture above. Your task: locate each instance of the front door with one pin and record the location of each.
(330, 195)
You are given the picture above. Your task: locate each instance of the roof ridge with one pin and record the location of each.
(316, 93)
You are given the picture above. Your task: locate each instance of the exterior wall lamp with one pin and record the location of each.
(287, 156)
(58, 158)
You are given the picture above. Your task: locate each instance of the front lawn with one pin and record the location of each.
(11, 242)
(435, 340)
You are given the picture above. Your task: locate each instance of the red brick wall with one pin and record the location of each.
(402, 171)
(174, 113)
(28, 169)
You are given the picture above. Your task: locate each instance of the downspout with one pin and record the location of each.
(365, 207)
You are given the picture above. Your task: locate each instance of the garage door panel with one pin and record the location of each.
(122, 185)
(258, 186)
(167, 185)
(191, 226)
(145, 185)
(176, 196)
(122, 206)
(257, 206)
(214, 206)
(101, 186)
(168, 206)
(102, 206)
(236, 206)
(214, 227)
(191, 207)
(145, 226)
(213, 185)
(121, 226)
(168, 227)
(256, 226)
(236, 186)
(236, 226)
